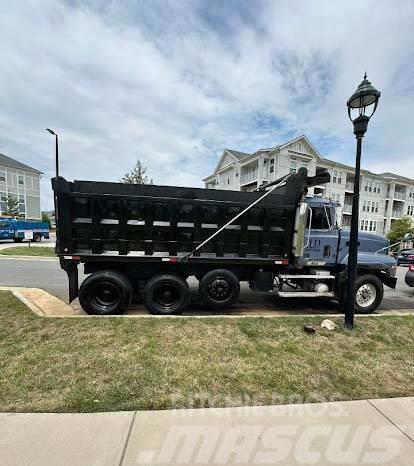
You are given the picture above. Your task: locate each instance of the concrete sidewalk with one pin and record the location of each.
(355, 432)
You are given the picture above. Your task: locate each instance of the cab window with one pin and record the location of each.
(320, 218)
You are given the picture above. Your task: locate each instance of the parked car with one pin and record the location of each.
(409, 276)
(405, 257)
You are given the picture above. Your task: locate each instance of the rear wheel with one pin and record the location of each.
(105, 293)
(37, 237)
(166, 294)
(369, 291)
(17, 240)
(219, 288)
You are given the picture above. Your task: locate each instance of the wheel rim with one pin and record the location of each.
(105, 295)
(166, 296)
(366, 295)
(219, 289)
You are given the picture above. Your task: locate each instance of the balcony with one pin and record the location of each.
(400, 196)
(249, 177)
(349, 186)
(347, 209)
(397, 214)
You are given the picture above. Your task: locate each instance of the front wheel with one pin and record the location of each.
(369, 291)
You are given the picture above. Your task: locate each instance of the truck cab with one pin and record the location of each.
(326, 249)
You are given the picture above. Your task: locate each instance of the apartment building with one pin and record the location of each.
(384, 197)
(23, 182)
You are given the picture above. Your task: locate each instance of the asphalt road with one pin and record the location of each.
(46, 274)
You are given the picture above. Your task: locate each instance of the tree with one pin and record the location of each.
(46, 219)
(12, 206)
(137, 175)
(399, 229)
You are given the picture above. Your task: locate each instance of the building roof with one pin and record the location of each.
(398, 177)
(9, 162)
(237, 154)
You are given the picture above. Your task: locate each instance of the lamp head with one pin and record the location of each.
(364, 98)
(51, 132)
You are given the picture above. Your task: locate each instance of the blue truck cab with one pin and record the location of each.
(326, 251)
(14, 229)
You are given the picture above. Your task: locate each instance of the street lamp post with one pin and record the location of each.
(364, 98)
(57, 176)
(56, 150)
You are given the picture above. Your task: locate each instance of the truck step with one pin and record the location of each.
(316, 277)
(305, 294)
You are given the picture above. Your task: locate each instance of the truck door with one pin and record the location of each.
(321, 243)
(6, 231)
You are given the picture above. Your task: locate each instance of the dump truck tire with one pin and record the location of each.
(166, 294)
(105, 292)
(219, 288)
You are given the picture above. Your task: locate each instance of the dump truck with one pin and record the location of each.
(144, 241)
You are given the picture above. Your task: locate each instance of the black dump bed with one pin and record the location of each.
(148, 222)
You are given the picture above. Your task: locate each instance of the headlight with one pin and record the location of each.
(392, 270)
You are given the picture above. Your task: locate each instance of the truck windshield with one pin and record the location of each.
(320, 219)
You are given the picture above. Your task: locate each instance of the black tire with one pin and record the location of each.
(17, 240)
(105, 293)
(166, 294)
(219, 288)
(37, 237)
(368, 299)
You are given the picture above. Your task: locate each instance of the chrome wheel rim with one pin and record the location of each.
(366, 295)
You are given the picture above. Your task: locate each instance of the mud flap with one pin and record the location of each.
(390, 281)
(71, 269)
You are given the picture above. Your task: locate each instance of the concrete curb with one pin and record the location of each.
(44, 304)
(384, 429)
(42, 258)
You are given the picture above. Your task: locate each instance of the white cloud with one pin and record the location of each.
(173, 85)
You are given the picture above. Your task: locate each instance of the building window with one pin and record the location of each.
(22, 204)
(293, 165)
(21, 180)
(272, 165)
(364, 206)
(335, 176)
(3, 204)
(339, 177)
(2, 175)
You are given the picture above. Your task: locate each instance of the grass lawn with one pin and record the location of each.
(111, 364)
(44, 251)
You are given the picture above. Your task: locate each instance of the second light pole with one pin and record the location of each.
(365, 97)
(56, 150)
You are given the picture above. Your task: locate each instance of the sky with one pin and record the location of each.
(173, 83)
